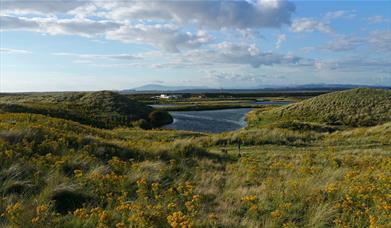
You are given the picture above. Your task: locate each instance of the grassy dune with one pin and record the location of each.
(357, 107)
(61, 173)
(103, 109)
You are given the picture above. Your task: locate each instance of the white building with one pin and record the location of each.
(167, 96)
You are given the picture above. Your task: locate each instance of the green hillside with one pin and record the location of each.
(356, 107)
(102, 109)
(59, 172)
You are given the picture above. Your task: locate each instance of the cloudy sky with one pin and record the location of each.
(51, 45)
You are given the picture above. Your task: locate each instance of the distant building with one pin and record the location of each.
(168, 96)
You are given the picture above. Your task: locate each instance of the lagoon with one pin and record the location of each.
(212, 121)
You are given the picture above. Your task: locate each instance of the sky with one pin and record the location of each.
(70, 45)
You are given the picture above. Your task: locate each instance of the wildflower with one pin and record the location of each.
(103, 216)
(171, 205)
(189, 206)
(196, 198)
(330, 188)
(59, 162)
(120, 225)
(249, 199)
(276, 214)
(372, 221)
(178, 219)
(12, 208)
(35, 220)
(141, 181)
(81, 213)
(41, 209)
(78, 173)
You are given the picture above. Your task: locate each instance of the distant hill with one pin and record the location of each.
(157, 87)
(104, 109)
(268, 88)
(356, 107)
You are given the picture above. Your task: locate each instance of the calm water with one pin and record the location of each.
(213, 121)
(272, 102)
(254, 102)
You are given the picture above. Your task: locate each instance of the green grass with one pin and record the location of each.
(99, 109)
(357, 107)
(56, 172)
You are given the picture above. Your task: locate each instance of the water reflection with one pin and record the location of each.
(213, 121)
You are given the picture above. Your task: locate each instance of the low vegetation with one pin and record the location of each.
(357, 107)
(103, 109)
(58, 172)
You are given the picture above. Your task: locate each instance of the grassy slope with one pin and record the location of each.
(160, 178)
(357, 107)
(100, 109)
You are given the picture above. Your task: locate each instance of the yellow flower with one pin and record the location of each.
(171, 205)
(189, 205)
(103, 217)
(41, 209)
(276, 214)
(81, 213)
(13, 208)
(178, 219)
(78, 173)
(249, 198)
(35, 220)
(196, 198)
(330, 188)
(120, 225)
(142, 181)
(372, 221)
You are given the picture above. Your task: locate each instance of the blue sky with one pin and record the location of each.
(57, 45)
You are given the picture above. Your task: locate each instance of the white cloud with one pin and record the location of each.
(310, 25)
(165, 36)
(380, 40)
(377, 19)
(167, 25)
(13, 51)
(230, 53)
(280, 40)
(34, 6)
(206, 14)
(224, 78)
(55, 26)
(354, 64)
(349, 14)
(345, 43)
(17, 23)
(100, 56)
(377, 40)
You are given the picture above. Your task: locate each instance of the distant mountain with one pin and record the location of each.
(320, 86)
(157, 87)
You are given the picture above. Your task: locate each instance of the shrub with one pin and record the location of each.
(159, 118)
